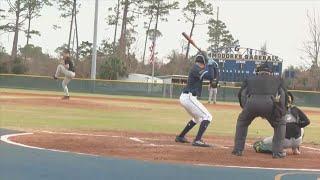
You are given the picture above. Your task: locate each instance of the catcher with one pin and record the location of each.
(296, 120)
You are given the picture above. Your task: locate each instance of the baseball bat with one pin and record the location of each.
(191, 41)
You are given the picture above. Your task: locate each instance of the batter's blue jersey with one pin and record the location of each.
(195, 78)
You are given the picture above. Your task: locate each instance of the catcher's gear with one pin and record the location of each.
(260, 147)
(200, 143)
(279, 155)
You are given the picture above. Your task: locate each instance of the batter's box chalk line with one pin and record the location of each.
(141, 140)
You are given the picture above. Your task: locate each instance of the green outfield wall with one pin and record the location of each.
(225, 93)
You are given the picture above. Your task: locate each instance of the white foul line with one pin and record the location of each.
(136, 139)
(262, 168)
(5, 138)
(80, 134)
(311, 148)
(279, 176)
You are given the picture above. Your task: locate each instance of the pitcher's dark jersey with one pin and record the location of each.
(68, 61)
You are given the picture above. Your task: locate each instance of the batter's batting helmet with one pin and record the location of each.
(200, 59)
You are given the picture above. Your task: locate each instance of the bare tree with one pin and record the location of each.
(17, 8)
(122, 41)
(155, 10)
(312, 46)
(194, 9)
(70, 8)
(33, 11)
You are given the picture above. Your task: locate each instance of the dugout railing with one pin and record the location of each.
(115, 87)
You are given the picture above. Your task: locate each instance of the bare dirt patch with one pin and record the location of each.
(72, 103)
(95, 102)
(161, 147)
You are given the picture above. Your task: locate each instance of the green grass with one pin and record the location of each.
(164, 118)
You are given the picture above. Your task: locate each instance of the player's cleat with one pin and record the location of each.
(200, 143)
(237, 152)
(279, 155)
(296, 151)
(54, 77)
(181, 139)
(65, 98)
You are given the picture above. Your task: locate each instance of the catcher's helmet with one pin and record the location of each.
(290, 97)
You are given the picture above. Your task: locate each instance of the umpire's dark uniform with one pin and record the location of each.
(261, 96)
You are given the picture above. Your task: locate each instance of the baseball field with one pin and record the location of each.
(141, 128)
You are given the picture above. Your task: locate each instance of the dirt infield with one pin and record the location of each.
(161, 147)
(85, 101)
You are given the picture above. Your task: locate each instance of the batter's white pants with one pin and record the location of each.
(287, 143)
(68, 75)
(196, 110)
(213, 95)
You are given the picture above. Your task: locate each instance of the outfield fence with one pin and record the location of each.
(111, 87)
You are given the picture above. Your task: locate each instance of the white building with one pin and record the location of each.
(141, 78)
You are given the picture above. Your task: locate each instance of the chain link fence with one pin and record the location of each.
(111, 87)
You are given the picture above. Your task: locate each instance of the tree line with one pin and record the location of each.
(123, 18)
(117, 57)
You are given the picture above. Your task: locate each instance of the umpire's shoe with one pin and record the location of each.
(200, 143)
(237, 152)
(181, 139)
(279, 155)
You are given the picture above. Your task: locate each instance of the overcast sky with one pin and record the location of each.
(282, 24)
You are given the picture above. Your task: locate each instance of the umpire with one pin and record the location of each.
(263, 96)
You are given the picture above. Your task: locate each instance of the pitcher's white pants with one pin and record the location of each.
(196, 110)
(68, 75)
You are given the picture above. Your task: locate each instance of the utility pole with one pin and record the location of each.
(154, 40)
(217, 38)
(94, 49)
